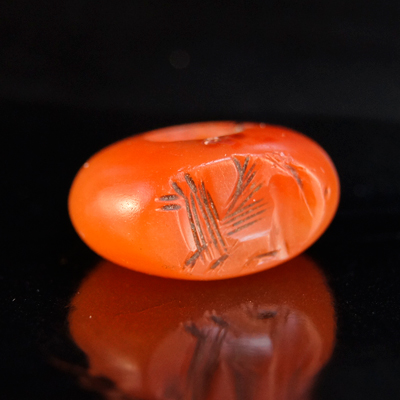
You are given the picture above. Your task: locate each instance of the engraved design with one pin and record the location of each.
(248, 210)
(244, 210)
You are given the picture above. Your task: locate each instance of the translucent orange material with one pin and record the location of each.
(205, 201)
(261, 337)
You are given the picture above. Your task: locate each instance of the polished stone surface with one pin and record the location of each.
(205, 201)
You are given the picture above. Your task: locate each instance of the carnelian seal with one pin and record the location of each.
(205, 201)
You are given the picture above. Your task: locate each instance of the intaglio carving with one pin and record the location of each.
(205, 201)
(247, 217)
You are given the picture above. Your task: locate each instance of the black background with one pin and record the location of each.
(78, 75)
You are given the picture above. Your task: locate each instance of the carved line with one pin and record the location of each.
(190, 216)
(269, 254)
(210, 214)
(246, 162)
(244, 208)
(192, 259)
(197, 222)
(190, 182)
(255, 190)
(194, 190)
(170, 207)
(242, 214)
(248, 181)
(250, 170)
(244, 226)
(219, 261)
(196, 219)
(208, 210)
(249, 217)
(241, 170)
(169, 197)
(295, 175)
(178, 189)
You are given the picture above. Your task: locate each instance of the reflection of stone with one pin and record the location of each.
(270, 352)
(263, 336)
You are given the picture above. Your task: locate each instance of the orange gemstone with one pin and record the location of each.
(205, 201)
(263, 336)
